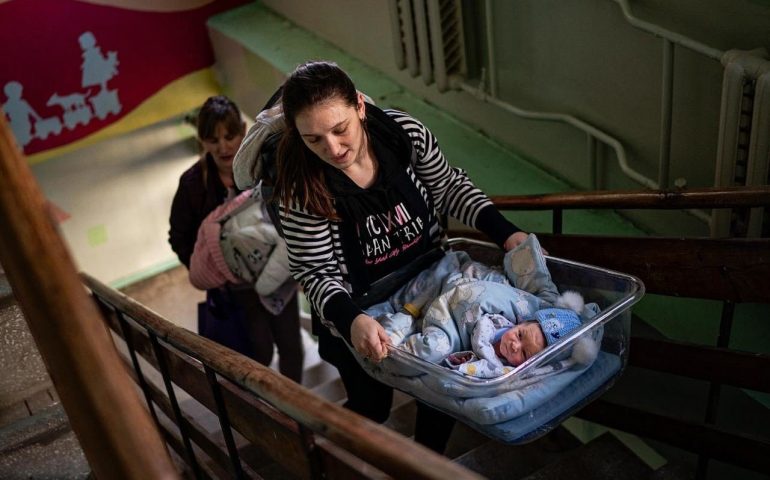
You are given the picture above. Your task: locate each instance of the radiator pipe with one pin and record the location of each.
(437, 44)
(395, 27)
(491, 63)
(668, 34)
(423, 42)
(757, 168)
(727, 143)
(581, 125)
(667, 94)
(593, 162)
(575, 122)
(412, 63)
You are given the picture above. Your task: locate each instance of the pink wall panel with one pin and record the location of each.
(70, 68)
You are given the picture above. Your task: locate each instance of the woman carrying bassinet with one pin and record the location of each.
(360, 192)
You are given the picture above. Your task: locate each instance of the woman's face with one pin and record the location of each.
(333, 130)
(521, 342)
(223, 145)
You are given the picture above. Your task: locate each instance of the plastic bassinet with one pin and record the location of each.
(539, 394)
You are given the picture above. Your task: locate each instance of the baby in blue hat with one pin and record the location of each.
(520, 342)
(478, 320)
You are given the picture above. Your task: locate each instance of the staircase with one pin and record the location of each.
(40, 443)
(556, 455)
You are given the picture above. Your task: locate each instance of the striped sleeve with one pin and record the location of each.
(314, 265)
(453, 192)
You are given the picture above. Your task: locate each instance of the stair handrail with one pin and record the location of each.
(114, 429)
(371, 442)
(708, 197)
(694, 199)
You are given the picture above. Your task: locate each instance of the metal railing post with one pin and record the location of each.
(137, 367)
(180, 421)
(224, 422)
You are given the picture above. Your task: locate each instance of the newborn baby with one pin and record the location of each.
(469, 316)
(520, 342)
(498, 343)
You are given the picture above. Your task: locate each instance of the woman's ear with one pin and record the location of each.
(360, 107)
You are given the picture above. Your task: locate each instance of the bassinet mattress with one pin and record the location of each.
(530, 406)
(543, 417)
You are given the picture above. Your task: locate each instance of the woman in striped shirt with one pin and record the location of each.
(361, 191)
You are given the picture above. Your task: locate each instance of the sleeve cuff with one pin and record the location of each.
(492, 223)
(341, 311)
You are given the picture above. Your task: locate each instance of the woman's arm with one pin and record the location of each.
(313, 263)
(183, 229)
(453, 192)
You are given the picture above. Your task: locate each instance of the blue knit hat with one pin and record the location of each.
(556, 323)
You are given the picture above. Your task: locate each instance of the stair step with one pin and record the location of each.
(673, 471)
(262, 464)
(42, 446)
(603, 458)
(25, 387)
(318, 374)
(333, 390)
(497, 460)
(464, 439)
(402, 416)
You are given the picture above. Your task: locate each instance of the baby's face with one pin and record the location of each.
(521, 342)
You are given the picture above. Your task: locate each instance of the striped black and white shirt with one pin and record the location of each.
(316, 255)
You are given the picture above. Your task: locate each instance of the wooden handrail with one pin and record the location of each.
(373, 443)
(114, 429)
(715, 197)
(732, 269)
(719, 365)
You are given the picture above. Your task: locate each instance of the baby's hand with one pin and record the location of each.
(515, 240)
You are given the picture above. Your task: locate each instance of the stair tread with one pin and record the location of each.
(494, 459)
(332, 390)
(603, 458)
(673, 471)
(318, 374)
(402, 417)
(42, 446)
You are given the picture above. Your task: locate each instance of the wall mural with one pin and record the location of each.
(77, 107)
(72, 67)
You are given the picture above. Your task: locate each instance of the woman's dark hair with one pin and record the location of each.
(216, 110)
(300, 177)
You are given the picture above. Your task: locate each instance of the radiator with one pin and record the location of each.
(743, 149)
(429, 39)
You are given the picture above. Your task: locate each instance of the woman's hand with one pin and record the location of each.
(369, 338)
